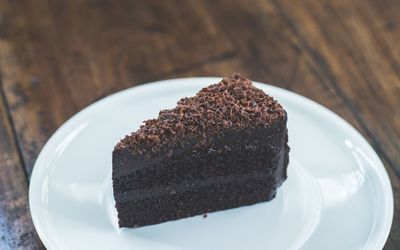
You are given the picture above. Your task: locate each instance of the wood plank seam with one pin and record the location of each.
(333, 83)
(322, 66)
(383, 45)
(13, 131)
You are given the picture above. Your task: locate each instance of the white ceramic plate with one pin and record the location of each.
(337, 195)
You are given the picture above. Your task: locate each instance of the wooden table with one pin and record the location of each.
(56, 57)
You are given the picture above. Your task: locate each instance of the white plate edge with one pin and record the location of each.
(157, 86)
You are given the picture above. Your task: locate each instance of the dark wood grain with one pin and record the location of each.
(54, 51)
(16, 228)
(56, 57)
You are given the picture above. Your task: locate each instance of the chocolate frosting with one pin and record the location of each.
(233, 103)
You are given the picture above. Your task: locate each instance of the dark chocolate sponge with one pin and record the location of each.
(223, 148)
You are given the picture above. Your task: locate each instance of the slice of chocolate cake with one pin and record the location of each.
(223, 148)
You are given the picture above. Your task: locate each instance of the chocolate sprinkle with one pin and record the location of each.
(233, 103)
(225, 147)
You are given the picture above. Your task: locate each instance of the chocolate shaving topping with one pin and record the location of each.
(233, 103)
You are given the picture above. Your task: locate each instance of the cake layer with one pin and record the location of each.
(163, 203)
(230, 163)
(194, 185)
(164, 206)
(225, 156)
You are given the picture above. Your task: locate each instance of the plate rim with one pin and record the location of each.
(56, 137)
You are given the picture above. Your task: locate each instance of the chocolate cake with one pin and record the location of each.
(225, 147)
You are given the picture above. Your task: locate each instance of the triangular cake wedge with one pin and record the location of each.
(223, 148)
